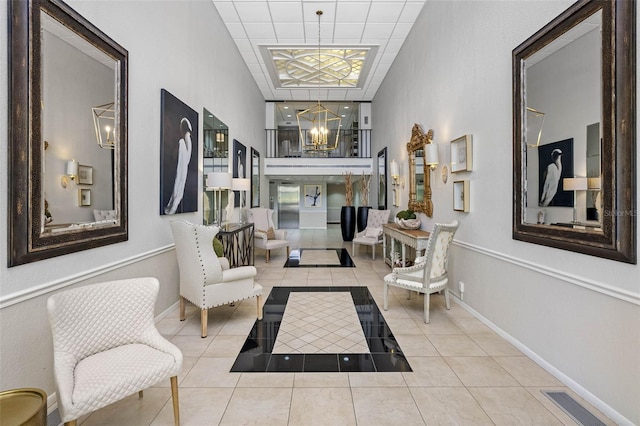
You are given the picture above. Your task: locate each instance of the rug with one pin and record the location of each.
(319, 258)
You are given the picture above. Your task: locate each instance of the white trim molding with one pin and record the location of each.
(45, 288)
(600, 287)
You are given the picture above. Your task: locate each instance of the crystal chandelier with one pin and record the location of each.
(324, 124)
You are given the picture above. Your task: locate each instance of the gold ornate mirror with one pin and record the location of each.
(67, 134)
(574, 182)
(419, 176)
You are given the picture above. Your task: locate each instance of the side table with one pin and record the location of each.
(24, 407)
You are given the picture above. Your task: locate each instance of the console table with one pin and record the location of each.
(414, 238)
(237, 241)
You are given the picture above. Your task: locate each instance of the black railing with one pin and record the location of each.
(286, 143)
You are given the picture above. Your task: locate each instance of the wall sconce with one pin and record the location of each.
(575, 184)
(396, 182)
(431, 155)
(72, 172)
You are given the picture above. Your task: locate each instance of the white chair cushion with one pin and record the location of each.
(372, 232)
(109, 376)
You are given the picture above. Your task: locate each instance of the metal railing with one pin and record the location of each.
(286, 143)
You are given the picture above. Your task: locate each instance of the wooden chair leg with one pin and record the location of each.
(174, 397)
(203, 322)
(373, 252)
(182, 308)
(71, 423)
(140, 395)
(446, 298)
(426, 308)
(259, 302)
(287, 252)
(268, 253)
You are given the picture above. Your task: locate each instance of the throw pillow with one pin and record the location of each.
(217, 247)
(271, 233)
(372, 232)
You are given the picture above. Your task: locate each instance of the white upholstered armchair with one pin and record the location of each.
(206, 280)
(266, 236)
(372, 234)
(429, 274)
(106, 346)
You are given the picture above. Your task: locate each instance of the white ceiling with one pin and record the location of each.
(277, 23)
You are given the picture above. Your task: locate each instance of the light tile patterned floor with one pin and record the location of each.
(463, 372)
(320, 323)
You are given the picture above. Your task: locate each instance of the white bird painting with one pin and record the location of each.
(551, 178)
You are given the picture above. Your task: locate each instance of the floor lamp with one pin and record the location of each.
(241, 185)
(218, 182)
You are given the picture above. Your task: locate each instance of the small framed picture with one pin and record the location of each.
(461, 196)
(85, 175)
(313, 196)
(461, 154)
(84, 197)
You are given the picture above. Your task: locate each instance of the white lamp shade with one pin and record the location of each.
(218, 180)
(241, 184)
(394, 169)
(431, 154)
(575, 184)
(72, 168)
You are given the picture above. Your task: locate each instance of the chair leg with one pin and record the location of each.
(174, 398)
(353, 248)
(203, 322)
(182, 308)
(385, 303)
(408, 294)
(259, 303)
(373, 252)
(287, 252)
(71, 423)
(140, 395)
(426, 308)
(268, 253)
(446, 298)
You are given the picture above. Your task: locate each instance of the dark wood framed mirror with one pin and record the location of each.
(382, 179)
(574, 112)
(419, 176)
(67, 133)
(255, 178)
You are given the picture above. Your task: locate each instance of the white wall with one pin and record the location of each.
(576, 314)
(184, 47)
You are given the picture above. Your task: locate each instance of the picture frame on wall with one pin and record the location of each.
(461, 196)
(239, 170)
(313, 196)
(85, 175)
(461, 154)
(84, 197)
(178, 156)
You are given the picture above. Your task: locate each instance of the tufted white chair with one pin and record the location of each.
(206, 280)
(429, 274)
(106, 346)
(102, 215)
(372, 234)
(262, 221)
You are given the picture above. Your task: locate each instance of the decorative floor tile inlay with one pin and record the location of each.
(320, 335)
(319, 258)
(320, 323)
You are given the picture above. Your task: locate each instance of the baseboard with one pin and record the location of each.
(606, 409)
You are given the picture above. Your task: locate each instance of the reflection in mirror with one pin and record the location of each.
(68, 180)
(215, 159)
(419, 182)
(382, 179)
(574, 177)
(255, 178)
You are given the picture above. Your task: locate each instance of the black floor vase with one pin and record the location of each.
(363, 214)
(348, 222)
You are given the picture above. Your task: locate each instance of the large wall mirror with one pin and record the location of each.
(215, 159)
(382, 179)
(419, 178)
(67, 134)
(255, 178)
(574, 132)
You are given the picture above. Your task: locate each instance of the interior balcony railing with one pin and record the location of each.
(286, 143)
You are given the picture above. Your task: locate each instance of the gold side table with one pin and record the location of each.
(23, 407)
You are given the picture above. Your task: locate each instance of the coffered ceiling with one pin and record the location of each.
(359, 41)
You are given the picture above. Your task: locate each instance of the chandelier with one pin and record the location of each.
(324, 124)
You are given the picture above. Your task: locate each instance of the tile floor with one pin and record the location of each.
(463, 373)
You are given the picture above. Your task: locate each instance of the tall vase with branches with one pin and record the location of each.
(363, 209)
(348, 212)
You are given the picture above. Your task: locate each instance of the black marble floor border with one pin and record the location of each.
(295, 255)
(384, 353)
